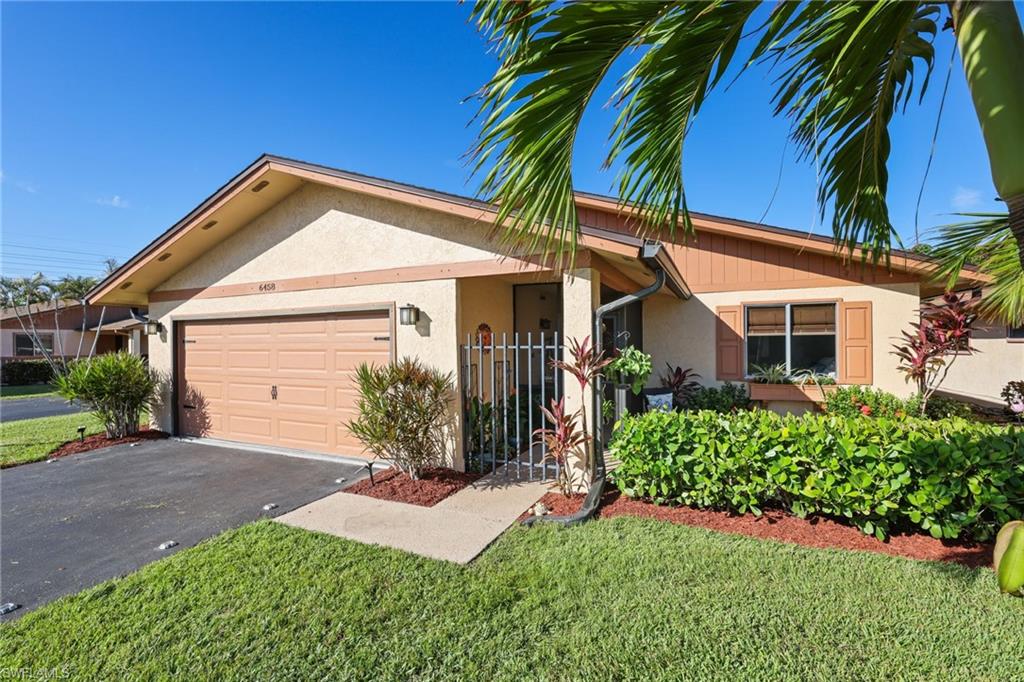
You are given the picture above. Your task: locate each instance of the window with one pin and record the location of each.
(1015, 333)
(23, 345)
(799, 336)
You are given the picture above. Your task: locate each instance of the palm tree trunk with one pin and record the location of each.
(991, 44)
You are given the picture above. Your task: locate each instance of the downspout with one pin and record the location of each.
(648, 255)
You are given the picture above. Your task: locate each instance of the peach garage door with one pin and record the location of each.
(282, 381)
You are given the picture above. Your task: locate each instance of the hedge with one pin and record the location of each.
(951, 478)
(22, 372)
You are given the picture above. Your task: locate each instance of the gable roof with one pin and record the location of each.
(269, 179)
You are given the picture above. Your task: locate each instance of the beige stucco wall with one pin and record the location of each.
(683, 332)
(982, 376)
(321, 230)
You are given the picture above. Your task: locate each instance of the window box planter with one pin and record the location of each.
(789, 392)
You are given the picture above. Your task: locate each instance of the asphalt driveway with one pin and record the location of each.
(31, 408)
(83, 519)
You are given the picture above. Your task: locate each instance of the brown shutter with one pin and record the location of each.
(729, 342)
(855, 342)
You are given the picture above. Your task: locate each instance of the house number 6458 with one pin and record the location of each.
(268, 286)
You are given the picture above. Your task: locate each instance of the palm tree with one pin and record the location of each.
(845, 68)
(74, 287)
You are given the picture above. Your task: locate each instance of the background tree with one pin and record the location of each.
(845, 68)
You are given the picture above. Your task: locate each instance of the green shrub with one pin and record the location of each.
(23, 372)
(940, 407)
(118, 387)
(403, 413)
(951, 478)
(728, 397)
(855, 401)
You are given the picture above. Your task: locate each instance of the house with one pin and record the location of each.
(980, 377)
(274, 288)
(66, 329)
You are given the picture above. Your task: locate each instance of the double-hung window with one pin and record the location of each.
(798, 336)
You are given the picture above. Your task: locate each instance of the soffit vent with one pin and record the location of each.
(210, 224)
(260, 185)
(126, 285)
(164, 257)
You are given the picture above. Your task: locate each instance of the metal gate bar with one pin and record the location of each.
(492, 440)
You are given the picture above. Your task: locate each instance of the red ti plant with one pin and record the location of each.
(682, 382)
(563, 438)
(585, 364)
(930, 349)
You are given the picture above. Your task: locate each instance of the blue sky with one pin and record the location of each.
(118, 118)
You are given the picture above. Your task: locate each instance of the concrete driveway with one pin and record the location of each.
(31, 408)
(83, 519)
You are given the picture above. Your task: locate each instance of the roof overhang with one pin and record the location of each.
(270, 179)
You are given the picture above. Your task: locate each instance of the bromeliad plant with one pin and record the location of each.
(930, 349)
(769, 374)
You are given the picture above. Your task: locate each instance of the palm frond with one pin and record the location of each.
(987, 243)
(552, 63)
(687, 52)
(847, 67)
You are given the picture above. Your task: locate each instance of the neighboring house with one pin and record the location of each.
(272, 290)
(981, 376)
(64, 328)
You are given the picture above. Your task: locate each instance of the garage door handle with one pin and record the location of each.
(273, 392)
(189, 407)
(382, 338)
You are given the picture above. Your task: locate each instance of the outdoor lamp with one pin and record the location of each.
(408, 314)
(152, 327)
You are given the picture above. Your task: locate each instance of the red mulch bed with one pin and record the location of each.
(778, 525)
(73, 447)
(434, 485)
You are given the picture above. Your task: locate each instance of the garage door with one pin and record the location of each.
(281, 381)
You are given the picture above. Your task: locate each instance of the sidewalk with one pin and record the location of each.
(456, 529)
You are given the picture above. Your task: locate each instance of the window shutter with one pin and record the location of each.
(729, 343)
(855, 350)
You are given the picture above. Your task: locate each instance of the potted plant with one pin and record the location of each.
(630, 369)
(773, 382)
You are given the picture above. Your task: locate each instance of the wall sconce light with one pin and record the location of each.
(408, 314)
(152, 327)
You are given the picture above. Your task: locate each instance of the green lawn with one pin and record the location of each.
(613, 599)
(34, 391)
(30, 440)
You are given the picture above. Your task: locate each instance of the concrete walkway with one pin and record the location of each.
(456, 529)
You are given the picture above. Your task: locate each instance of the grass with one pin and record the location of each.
(612, 599)
(30, 440)
(33, 391)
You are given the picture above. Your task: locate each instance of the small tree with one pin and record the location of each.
(930, 349)
(403, 413)
(118, 387)
(564, 438)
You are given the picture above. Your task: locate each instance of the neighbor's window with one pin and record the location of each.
(23, 344)
(800, 336)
